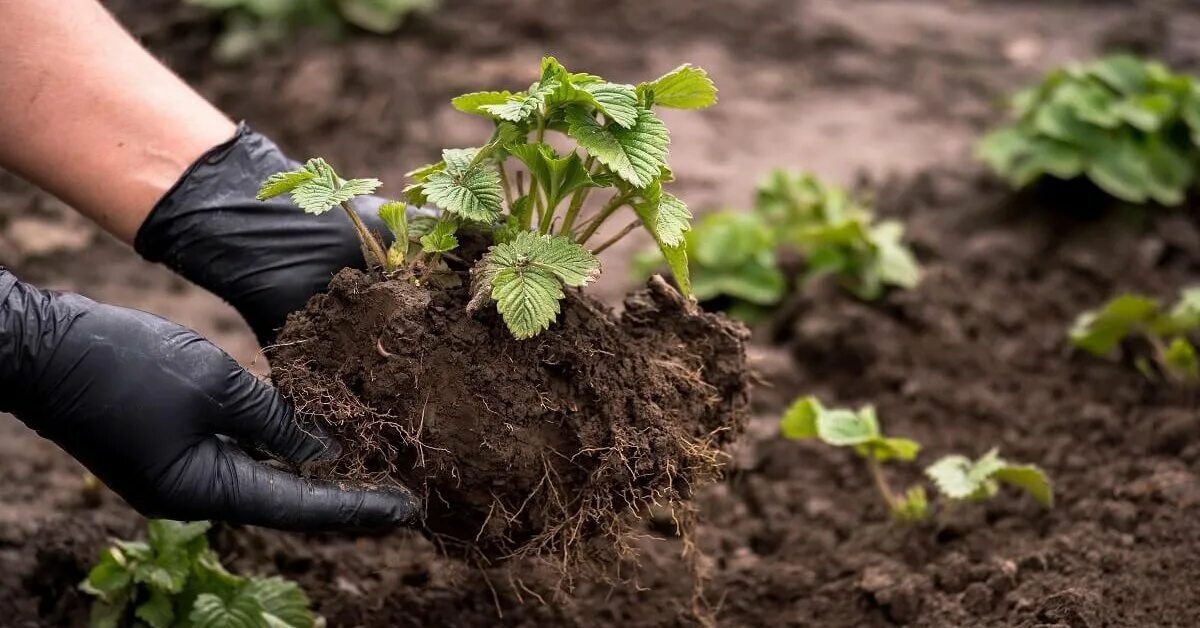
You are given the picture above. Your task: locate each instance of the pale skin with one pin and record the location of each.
(109, 133)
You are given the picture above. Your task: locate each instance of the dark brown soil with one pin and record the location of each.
(518, 447)
(795, 537)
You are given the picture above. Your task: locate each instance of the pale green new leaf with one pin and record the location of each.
(558, 177)
(636, 154)
(668, 219)
(800, 420)
(1030, 479)
(523, 106)
(316, 188)
(474, 102)
(846, 427)
(470, 190)
(283, 182)
(685, 87)
(395, 216)
(677, 261)
(441, 238)
(952, 476)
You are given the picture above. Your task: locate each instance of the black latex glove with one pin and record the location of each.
(266, 258)
(139, 401)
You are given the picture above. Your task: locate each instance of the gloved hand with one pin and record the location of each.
(266, 258)
(140, 400)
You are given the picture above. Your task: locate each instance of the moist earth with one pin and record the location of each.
(517, 446)
(975, 357)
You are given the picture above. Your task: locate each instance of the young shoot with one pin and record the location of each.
(807, 418)
(1165, 351)
(544, 240)
(173, 580)
(958, 478)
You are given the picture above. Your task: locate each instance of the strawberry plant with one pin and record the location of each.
(1166, 351)
(836, 234)
(954, 476)
(736, 256)
(252, 25)
(173, 579)
(1130, 126)
(807, 418)
(542, 239)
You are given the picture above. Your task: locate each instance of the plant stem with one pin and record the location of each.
(881, 485)
(504, 184)
(613, 205)
(616, 237)
(577, 200)
(370, 242)
(545, 218)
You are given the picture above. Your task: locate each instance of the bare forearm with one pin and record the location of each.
(90, 116)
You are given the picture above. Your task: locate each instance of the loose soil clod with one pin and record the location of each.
(531, 447)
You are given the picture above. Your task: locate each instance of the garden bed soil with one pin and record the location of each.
(974, 358)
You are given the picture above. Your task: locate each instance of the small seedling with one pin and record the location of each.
(541, 236)
(807, 418)
(253, 25)
(1130, 126)
(1172, 356)
(956, 477)
(174, 580)
(736, 255)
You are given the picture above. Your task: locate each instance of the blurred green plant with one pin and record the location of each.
(1130, 126)
(173, 580)
(1172, 356)
(956, 477)
(252, 26)
(735, 256)
(807, 418)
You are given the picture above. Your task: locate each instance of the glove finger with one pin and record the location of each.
(218, 481)
(256, 415)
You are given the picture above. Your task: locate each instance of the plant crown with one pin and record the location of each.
(736, 255)
(1101, 332)
(253, 25)
(540, 236)
(173, 580)
(955, 477)
(1130, 126)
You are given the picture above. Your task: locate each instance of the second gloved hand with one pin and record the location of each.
(140, 401)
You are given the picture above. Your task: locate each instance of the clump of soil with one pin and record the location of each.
(543, 446)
